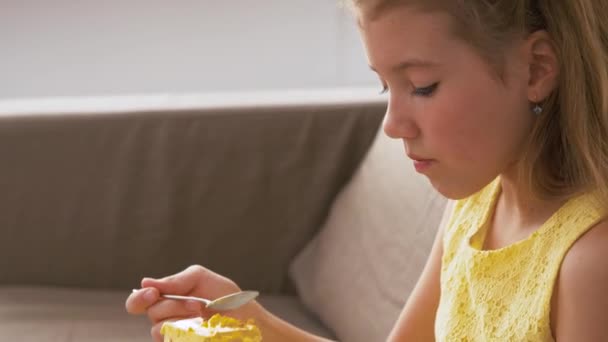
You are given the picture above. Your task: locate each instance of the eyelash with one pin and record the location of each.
(424, 91)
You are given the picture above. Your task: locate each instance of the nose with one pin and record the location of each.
(398, 124)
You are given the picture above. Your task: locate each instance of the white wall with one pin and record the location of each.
(85, 47)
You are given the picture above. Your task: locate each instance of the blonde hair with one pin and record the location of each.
(568, 147)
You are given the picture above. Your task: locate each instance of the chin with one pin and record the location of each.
(455, 190)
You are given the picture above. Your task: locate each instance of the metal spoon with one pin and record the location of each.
(225, 303)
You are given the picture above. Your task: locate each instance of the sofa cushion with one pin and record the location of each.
(357, 273)
(34, 314)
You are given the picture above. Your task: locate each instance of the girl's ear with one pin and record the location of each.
(543, 65)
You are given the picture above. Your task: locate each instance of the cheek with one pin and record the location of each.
(477, 125)
(465, 145)
(461, 127)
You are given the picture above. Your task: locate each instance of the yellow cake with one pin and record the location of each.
(216, 329)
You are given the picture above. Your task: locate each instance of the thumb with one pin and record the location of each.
(180, 283)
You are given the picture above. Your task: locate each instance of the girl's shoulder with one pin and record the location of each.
(581, 295)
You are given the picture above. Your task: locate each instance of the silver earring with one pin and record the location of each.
(537, 109)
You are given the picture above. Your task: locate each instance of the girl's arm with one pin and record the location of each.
(581, 293)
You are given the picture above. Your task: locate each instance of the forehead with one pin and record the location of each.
(405, 32)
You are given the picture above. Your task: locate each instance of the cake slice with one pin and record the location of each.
(216, 329)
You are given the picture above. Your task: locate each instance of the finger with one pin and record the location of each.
(139, 301)
(169, 309)
(155, 332)
(181, 283)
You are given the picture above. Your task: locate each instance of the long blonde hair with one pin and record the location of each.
(568, 149)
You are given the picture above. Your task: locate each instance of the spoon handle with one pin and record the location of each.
(198, 299)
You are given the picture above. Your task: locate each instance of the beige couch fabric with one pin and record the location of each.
(359, 270)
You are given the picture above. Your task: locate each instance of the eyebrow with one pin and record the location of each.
(410, 63)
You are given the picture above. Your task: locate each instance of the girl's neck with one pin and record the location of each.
(523, 208)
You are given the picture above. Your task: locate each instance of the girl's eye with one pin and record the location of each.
(426, 91)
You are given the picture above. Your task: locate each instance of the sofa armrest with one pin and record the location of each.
(100, 198)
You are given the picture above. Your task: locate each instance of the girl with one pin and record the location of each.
(503, 106)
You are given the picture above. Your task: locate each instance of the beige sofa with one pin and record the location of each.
(278, 191)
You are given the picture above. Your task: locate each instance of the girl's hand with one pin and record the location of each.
(193, 281)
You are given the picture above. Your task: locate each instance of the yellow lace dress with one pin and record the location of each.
(504, 294)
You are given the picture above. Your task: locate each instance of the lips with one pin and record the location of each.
(418, 158)
(421, 164)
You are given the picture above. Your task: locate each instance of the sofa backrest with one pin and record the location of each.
(100, 192)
